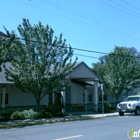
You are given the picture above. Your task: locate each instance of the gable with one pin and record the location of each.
(3, 79)
(82, 71)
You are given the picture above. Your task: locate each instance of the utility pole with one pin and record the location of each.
(102, 89)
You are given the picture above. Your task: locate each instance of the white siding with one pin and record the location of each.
(76, 94)
(82, 72)
(136, 90)
(19, 98)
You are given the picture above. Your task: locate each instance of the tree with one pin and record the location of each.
(119, 70)
(1, 59)
(2, 35)
(39, 62)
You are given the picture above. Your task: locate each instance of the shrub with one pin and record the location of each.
(43, 114)
(29, 114)
(107, 105)
(25, 114)
(16, 116)
(53, 109)
(5, 117)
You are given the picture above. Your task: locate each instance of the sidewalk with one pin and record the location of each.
(74, 116)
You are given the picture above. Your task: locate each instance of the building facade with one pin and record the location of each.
(81, 92)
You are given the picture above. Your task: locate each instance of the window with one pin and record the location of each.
(90, 97)
(6, 98)
(83, 97)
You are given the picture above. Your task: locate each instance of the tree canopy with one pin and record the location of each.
(39, 61)
(119, 70)
(2, 35)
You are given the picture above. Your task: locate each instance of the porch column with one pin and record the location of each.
(85, 98)
(53, 98)
(3, 96)
(63, 93)
(95, 96)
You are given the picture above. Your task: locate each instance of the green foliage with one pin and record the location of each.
(1, 50)
(5, 117)
(119, 70)
(44, 114)
(16, 116)
(138, 93)
(25, 114)
(29, 114)
(39, 61)
(107, 105)
(54, 108)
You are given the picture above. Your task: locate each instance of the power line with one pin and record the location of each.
(114, 30)
(89, 51)
(86, 56)
(69, 17)
(50, 44)
(72, 48)
(124, 7)
(130, 5)
(118, 9)
(90, 19)
(78, 15)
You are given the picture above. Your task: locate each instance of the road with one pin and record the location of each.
(109, 128)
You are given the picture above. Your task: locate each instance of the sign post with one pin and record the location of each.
(102, 98)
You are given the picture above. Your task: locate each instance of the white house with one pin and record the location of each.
(81, 93)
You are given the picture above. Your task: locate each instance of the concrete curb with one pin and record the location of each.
(45, 121)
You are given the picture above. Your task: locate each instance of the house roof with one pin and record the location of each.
(3, 79)
(94, 77)
(3, 34)
(82, 72)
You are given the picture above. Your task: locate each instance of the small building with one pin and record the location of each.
(81, 93)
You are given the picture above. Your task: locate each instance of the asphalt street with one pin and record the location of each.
(109, 128)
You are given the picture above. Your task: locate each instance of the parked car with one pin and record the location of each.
(130, 105)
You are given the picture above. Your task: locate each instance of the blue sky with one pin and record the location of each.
(95, 25)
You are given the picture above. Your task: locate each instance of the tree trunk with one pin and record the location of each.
(38, 100)
(38, 105)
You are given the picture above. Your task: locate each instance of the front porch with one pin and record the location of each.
(81, 96)
(81, 93)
